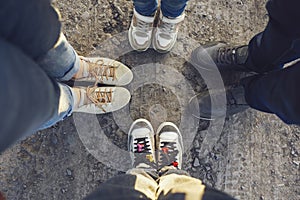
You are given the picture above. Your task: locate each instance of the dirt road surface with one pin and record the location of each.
(253, 156)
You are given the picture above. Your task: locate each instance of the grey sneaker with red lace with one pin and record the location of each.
(170, 146)
(141, 144)
(99, 100)
(165, 34)
(104, 71)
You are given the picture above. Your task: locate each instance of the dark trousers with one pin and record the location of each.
(275, 89)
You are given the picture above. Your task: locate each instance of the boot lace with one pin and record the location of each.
(227, 55)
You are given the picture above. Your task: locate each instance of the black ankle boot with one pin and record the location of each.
(235, 102)
(222, 56)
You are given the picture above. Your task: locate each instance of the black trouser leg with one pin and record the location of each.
(280, 41)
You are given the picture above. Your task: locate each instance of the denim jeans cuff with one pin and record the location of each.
(73, 70)
(61, 62)
(65, 106)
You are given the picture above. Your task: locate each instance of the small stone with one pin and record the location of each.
(198, 88)
(196, 162)
(294, 153)
(119, 10)
(208, 168)
(296, 163)
(116, 41)
(68, 172)
(54, 139)
(85, 15)
(196, 144)
(262, 198)
(63, 190)
(107, 35)
(209, 177)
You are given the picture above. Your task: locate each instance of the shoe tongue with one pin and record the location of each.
(141, 132)
(168, 136)
(241, 54)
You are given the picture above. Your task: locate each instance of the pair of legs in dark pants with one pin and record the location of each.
(141, 184)
(34, 55)
(275, 89)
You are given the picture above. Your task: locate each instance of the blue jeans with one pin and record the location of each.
(169, 8)
(34, 57)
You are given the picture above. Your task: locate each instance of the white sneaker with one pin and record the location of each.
(100, 100)
(165, 34)
(141, 144)
(140, 31)
(105, 71)
(170, 146)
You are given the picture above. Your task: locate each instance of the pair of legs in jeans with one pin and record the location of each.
(156, 173)
(35, 58)
(163, 37)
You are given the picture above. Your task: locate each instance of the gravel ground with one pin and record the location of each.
(250, 155)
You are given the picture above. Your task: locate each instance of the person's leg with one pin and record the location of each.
(276, 92)
(139, 182)
(145, 7)
(60, 62)
(34, 27)
(279, 43)
(178, 184)
(30, 100)
(31, 25)
(140, 30)
(173, 8)
(127, 187)
(174, 186)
